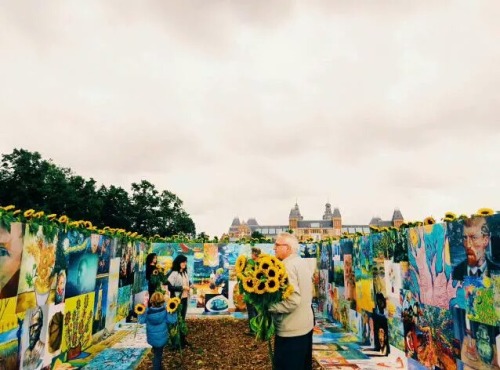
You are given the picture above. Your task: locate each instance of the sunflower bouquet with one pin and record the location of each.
(262, 283)
(176, 324)
(159, 277)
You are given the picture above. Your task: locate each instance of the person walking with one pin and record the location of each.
(155, 319)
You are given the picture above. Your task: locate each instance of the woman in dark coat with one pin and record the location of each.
(151, 260)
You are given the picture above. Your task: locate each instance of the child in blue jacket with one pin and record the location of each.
(156, 327)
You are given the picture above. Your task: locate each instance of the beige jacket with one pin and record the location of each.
(296, 317)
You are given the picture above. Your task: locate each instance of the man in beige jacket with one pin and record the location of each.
(295, 317)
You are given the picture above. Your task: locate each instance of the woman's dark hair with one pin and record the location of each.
(149, 269)
(176, 265)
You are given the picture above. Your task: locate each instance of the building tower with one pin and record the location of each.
(294, 218)
(328, 215)
(397, 218)
(337, 221)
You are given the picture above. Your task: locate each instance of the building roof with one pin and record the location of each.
(252, 222)
(336, 212)
(236, 222)
(295, 213)
(397, 215)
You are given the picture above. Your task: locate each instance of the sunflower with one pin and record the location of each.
(172, 305)
(272, 285)
(39, 214)
(429, 221)
(260, 287)
(249, 284)
(139, 308)
(272, 273)
(485, 212)
(29, 213)
(9, 207)
(240, 263)
(259, 274)
(265, 263)
(16, 212)
(288, 291)
(284, 279)
(88, 224)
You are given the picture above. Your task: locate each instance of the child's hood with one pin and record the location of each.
(156, 315)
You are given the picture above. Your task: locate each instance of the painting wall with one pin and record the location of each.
(415, 291)
(432, 291)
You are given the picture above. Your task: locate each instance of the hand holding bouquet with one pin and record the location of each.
(262, 283)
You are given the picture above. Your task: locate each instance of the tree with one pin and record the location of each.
(28, 181)
(257, 235)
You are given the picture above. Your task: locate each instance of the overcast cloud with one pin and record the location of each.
(242, 107)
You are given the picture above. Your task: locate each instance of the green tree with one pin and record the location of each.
(258, 235)
(28, 181)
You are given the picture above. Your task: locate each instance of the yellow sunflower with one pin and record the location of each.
(9, 207)
(272, 273)
(29, 213)
(260, 287)
(449, 216)
(249, 284)
(240, 264)
(259, 274)
(51, 216)
(288, 291)
(272, 285)
(139, 308)
(265, 263)
(429, 221)
(485, 212)
(172, 305)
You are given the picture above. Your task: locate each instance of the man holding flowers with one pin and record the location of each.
(294, 315)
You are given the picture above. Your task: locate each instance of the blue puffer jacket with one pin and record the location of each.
(156, 325)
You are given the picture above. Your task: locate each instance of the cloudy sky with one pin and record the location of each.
(243, 107)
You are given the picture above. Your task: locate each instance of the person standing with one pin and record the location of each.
(252, 312)
(294, 315)
(151, 261)
(179, 286)
(155, 318)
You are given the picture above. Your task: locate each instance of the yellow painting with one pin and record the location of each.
(77, 327)
(210, 255)
(8, 317)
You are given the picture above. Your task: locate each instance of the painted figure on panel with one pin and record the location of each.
(476, 241)
(33, 356)
(11, 249)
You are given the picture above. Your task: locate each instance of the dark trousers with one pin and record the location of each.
(252, 312)
(293, 353)
(157, 356)
(184, 302)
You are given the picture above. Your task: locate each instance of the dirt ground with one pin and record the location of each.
(217, 344)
